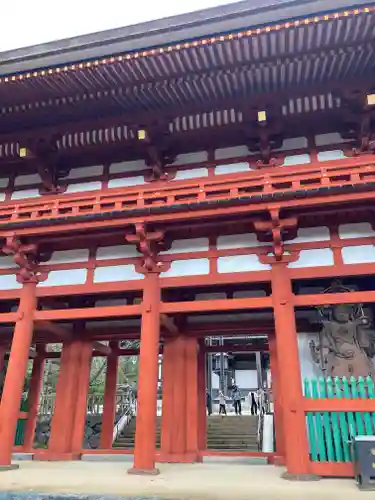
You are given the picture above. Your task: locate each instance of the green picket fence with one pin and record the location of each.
(21, 424)
(330, 433)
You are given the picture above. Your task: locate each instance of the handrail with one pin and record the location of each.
(264, 182)
(125, 419)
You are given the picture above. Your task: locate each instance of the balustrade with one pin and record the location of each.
(260, 184)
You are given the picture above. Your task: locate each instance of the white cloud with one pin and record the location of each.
(30, 22)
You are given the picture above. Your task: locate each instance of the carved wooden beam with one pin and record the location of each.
(169, 324)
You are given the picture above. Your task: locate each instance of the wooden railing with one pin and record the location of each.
(286, 181)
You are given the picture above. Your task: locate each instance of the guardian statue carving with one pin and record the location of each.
(346, 341)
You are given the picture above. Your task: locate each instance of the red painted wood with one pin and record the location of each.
(145, 435)
(109, 406)
(36, 381)
(290, 387)
(16, 371)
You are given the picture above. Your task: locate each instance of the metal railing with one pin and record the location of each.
(95, 403)
(128, 413)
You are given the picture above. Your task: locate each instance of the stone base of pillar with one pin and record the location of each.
(4, 468)
(51, 456)
(175, 458)
(143, 472)
(300, 477)
(278, 461)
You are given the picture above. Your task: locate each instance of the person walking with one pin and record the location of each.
(208, 403)
(236, 396)
(253, 404)
(222, 406)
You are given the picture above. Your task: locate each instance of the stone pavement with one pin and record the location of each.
(210, 481)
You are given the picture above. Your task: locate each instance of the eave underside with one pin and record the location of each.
(203, 78)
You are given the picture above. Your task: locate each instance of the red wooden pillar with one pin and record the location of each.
(80, 410)
(290, 386)
(167, 405)
(202, 413)
(277, 403)
(3, 350)
(36, 381)
(178, 430)
(109, 406)
(66, 397)
(192, 413)
(16, 372)
(145, 435)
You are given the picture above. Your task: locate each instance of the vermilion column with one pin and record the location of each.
(145, 435)
(83, 382)
(276, 396)
(178, 430)
(2, 356)
(192, 414)
(36, 381)
(109, 406)
(167, 406)
(290, 386)
(16, 372)
(202, 414)
(66, 397)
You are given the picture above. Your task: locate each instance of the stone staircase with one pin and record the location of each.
(231, 433)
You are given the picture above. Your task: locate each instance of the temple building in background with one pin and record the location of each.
(201, 185)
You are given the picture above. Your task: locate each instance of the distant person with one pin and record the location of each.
(253, 403)
(222, 406)
(208, 403)
(236, 396)
(261, 400)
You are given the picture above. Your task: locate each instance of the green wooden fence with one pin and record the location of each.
(330, 433)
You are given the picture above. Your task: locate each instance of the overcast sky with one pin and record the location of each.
(28, 22)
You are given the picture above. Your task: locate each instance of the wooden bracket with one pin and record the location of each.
(275, 228)
(45, 154)
(146, 242)
(25, 257)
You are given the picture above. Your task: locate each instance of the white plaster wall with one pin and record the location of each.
(246, 379)
(192, 267)
(185, 159)
(309, 369)
(109, 274)
(81, 172)
(127, 166)
(69, 256)
(356, 230)
(336, 154)
(192, 173)
(9, 282)
(126, 182)
(296, 160)
(232, 168)
(311, 234)
(65, 277)
(117, 252)
(233, 241)
(81, 187)
(7, 262)
(313, 258)
(240, 264)
(188, 246)
(359, 254)
(328, 139)
(293, 143)
(233, 152)
(24, 180)
(25, 194)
